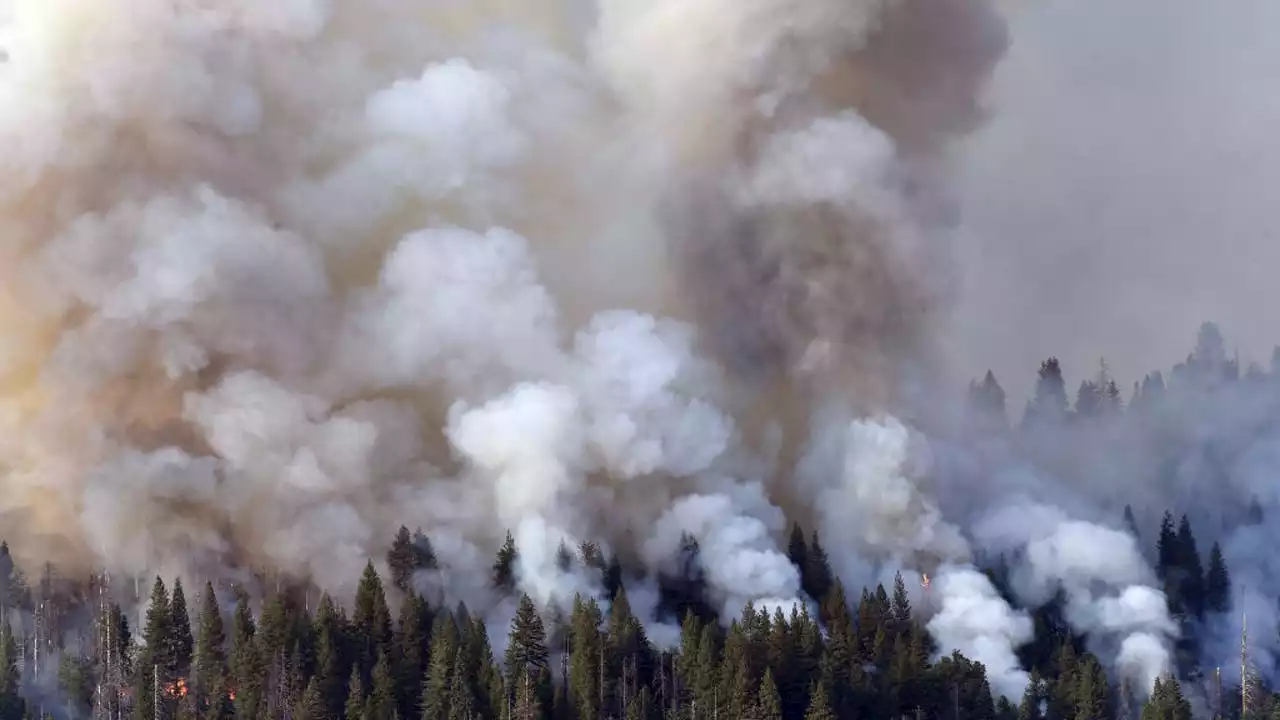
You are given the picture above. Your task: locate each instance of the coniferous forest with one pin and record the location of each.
(214, 655)
(275, 650)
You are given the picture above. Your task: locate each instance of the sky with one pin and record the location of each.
(1123, 191)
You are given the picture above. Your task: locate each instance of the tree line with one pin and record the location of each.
(863, 656)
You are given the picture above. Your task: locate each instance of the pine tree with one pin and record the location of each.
(246, 665)
(371, 623)
(402, 560)
(798, 551)
(477, 657)
(12, 706)
(526, 660)
(1034, 698)
(181, 628)
(211, 655)
(1050, 401)
(736, 683)
(900, 609)
(818, 578)
(382, 699)
(1166, 702)
(1092, 691)
(411, 654)
(504, 576)
(1217, 582)
(1130, 522)
(311, 705)
(1088, 400)
(75, 679)
(626, 657)
(706, 683)
(585, 654)
(357, 701)
(1188, 558)
(1166, 546)
(768, 703)
(444, 652)
(156, 662)
(332, 660)
(1062, 692)
(424, 555)
(819, 704)
(461, 704)
(987, 404)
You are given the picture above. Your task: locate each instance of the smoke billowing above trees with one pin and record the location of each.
(607, 299)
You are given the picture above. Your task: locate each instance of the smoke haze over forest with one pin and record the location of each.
(1155, 116)
(650, 299)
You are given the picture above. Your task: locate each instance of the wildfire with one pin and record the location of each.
(231, 694)
(177, 688)
(924, 580)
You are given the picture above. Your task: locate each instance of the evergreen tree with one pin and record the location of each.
(357, 707)
(246, 665)
(1217, 582)
(1092, 691)
(817, 578)
(1192, 572)
(182, 643)
(1166, 702)
(424, 555)
(528, 675)
(477, 658)
(156, 662)
(1050, 400)
(798, 550)
(402, 560)
(444, 652)
(382, 699)
(987, 404)
(1130, 522)
(75, 679)
(332, 660)
(768, 702)
(1034, 699)
(1167, 558)
(371, 623)
(1062, 692)
(460, 701)
(411, 641)
(504, 577)
(736, 682)
(706, 682)
(12, 706)
(819, 704)
(586, 654)
(311, 705)
(1089, 400)
(211, 655)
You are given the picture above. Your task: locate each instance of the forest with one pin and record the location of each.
(274, 650)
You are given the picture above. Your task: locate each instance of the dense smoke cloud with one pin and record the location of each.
(279, 278)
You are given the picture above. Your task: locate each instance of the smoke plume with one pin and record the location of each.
(278, 278)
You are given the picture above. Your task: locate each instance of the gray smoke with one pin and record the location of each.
(279, 278)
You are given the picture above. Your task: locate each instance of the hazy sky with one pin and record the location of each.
(1125, 189)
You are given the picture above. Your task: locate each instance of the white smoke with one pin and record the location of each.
(280, 278)
(976, 621)
(1107, 583)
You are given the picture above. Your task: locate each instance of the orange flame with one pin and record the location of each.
(924, 581)
(177, 688)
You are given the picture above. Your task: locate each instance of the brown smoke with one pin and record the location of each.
(281, 277)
